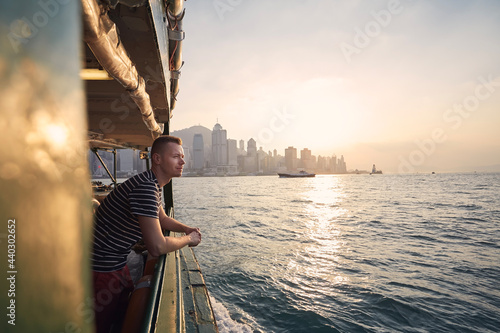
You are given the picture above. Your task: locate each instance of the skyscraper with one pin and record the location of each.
(126, 160)
(219, 146)
(342, 167)
(241, 148)
(232, 152)
(306, 159)
(252, 147)
(291, 158)
(198, 152)
(251, 163)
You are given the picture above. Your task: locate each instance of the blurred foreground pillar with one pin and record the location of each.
(45, 194)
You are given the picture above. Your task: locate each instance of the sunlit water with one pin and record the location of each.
(350, 253)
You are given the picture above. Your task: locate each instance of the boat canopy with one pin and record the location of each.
(131, 67)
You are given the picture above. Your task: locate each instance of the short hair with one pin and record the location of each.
(161, 142)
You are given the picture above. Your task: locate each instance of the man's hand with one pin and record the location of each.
(195, 237)
(188, 230)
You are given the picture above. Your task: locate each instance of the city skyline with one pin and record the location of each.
(224, 156)
(239, 140)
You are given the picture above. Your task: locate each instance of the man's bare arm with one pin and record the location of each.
(157, 244)
(168, 223)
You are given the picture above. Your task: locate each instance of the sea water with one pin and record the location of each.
(348, 253)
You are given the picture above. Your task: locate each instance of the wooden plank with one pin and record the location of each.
(167, 314)
(198, 311)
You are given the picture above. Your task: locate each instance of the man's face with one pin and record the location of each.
(172, 160)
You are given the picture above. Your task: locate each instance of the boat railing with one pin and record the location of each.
(151, 313)
(179, 296)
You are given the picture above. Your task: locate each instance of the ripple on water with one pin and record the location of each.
(410, 254)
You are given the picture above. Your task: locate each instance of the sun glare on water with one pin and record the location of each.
(323, 209)
(312, 269)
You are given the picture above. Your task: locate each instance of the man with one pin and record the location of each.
(130, 212)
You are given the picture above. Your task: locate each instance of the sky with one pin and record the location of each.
(410, 85)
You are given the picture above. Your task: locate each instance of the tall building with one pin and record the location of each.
(250, 161)
(198, 152)
(219, 146)
(188, 158)
(333, 164)
(241, 148)
(321, 164)
(125, 160)
(305, 154)
(261, 155)
(291, 158)
(306, 159)
(251, 147)
(341, 166)
(232, 152)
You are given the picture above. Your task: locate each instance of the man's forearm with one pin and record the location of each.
(158, 244)
(171, 224)
(175, 243)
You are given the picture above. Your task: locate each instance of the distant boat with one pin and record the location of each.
(375, 171)
(300, 174)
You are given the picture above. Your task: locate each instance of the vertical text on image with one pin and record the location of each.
(11, 271)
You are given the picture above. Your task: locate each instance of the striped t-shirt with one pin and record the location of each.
(116, 226)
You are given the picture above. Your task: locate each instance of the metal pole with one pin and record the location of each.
(167, 189)
(104, 165)
(114, 168)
